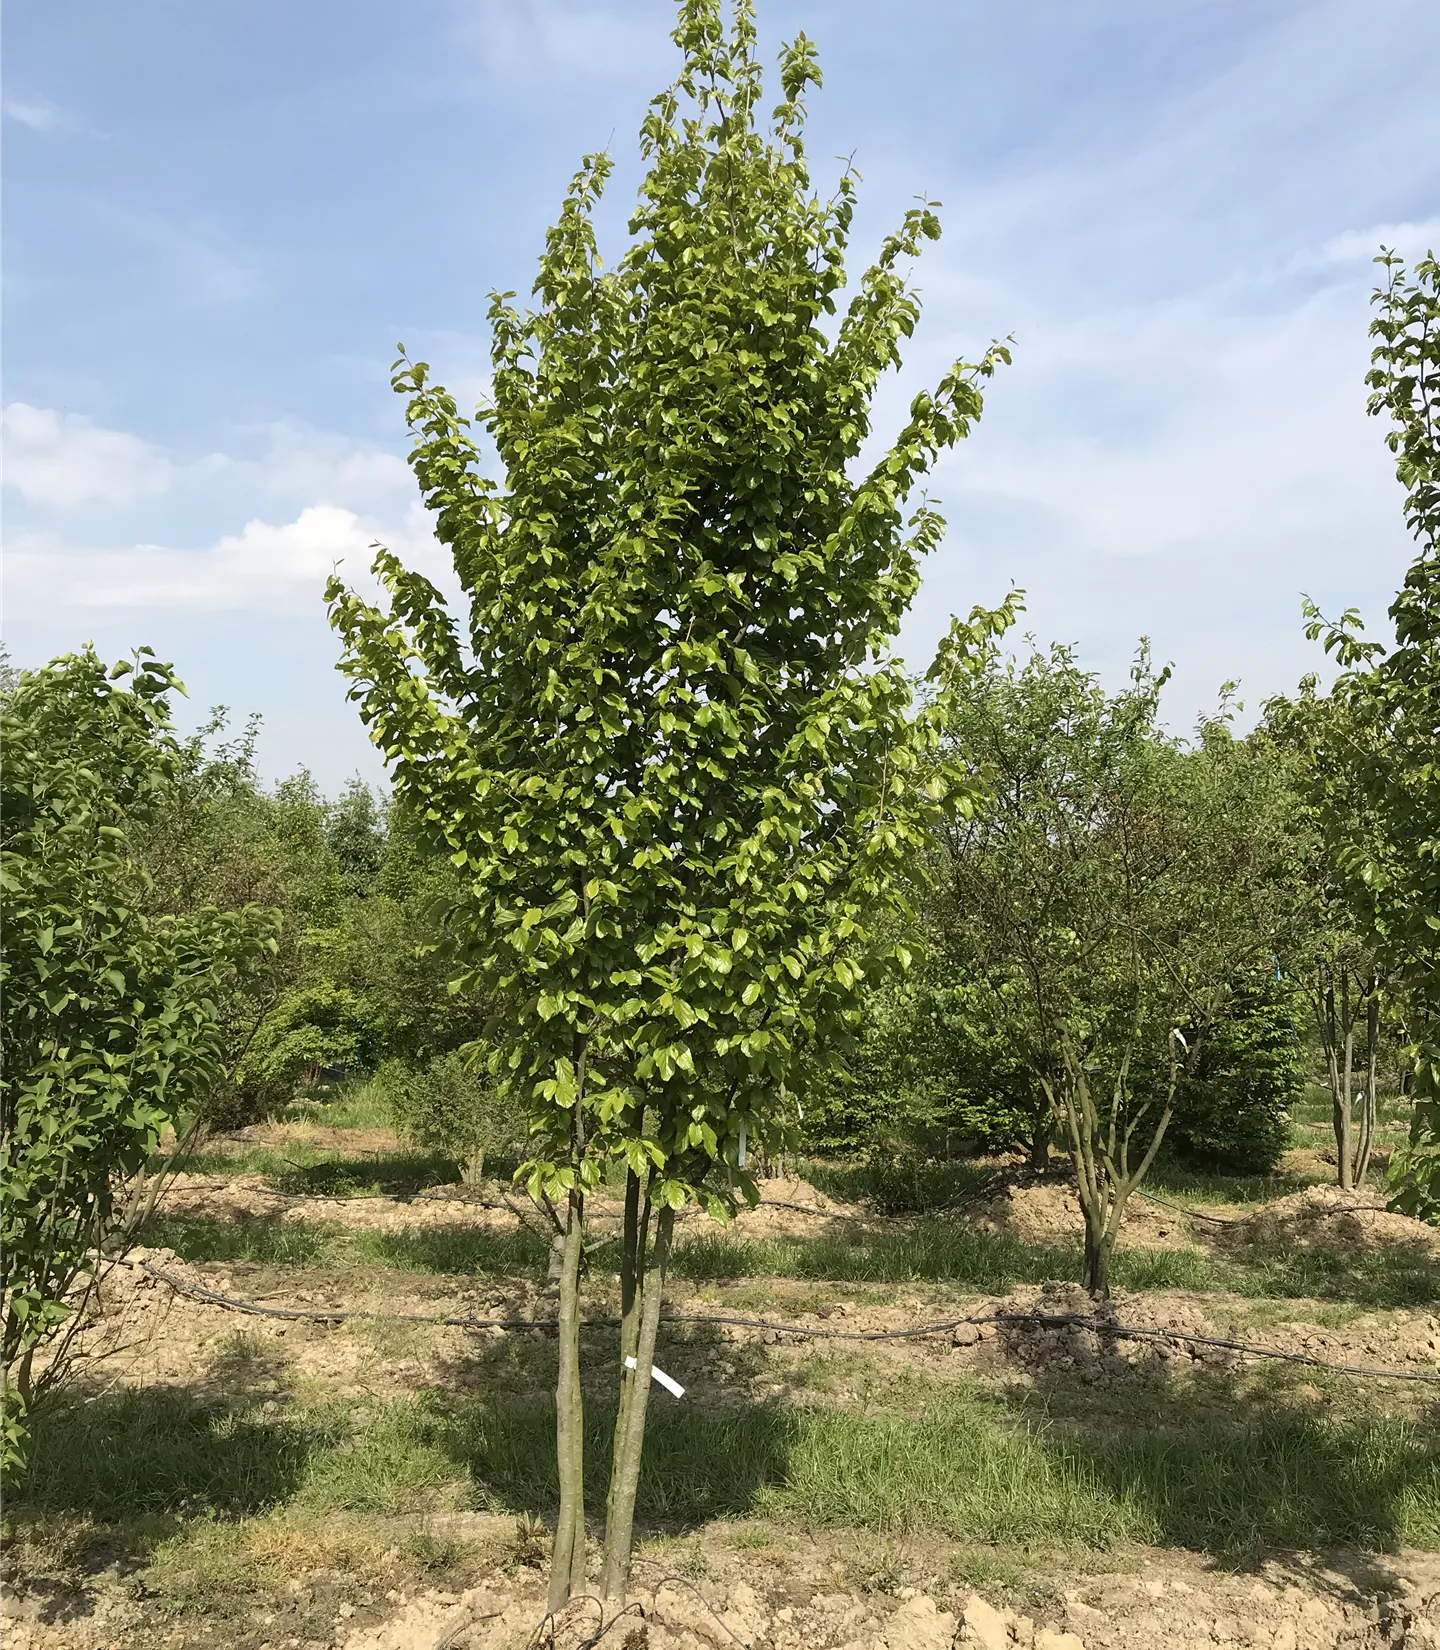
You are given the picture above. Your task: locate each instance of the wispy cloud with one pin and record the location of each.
(64, 461)
(271, 568)
(41, 115)
(531, 38)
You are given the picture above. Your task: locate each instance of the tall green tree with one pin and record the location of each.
(114, 1019)
(667, 747)
(1105, 896)
(1375, 779)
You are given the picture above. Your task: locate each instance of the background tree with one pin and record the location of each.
(1373, 781)
(669, 753)
(1106, 897)
(114, 1019)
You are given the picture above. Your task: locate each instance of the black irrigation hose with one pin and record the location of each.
(1036, 1320)
(1244, 1220)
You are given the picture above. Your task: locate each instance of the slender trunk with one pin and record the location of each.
(1372, 1061)
(567, 1563)
(1330, 1039)
(1345, 1134)
(1099, 1243)
(632, 1279)
(619, 1532)
(1039, 1156)
(567, 1567)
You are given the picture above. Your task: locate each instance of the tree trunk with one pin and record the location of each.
(1039, 1156)
(1372, 1061)
(567, 1565)
(1098, 1246)
(1344, 1136)
(630, 1438)
(634, 1237)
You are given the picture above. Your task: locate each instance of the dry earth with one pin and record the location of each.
(729, 1585)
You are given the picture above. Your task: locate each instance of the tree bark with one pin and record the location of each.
(630, 1436)
(1344, 1142)
(1372, 1061)
(1098, 1248)
(632, 1278)
(567, 1565)
(1039, 1156)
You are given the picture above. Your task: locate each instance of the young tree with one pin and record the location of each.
(114, 1024)
(1374, 782)
(668, 749)
(1106, 896)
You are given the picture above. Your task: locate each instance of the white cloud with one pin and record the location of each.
(1410, 240)
(41, 115)
(64, 460)
(308, 464)
(265, 568)
(527, 38)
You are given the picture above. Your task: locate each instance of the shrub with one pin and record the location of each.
(448, 1106)
(1232, 1110)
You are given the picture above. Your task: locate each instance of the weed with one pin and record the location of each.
(436, 1553)
(456, 1249)
(532, 1542)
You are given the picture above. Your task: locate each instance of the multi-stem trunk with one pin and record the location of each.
(630, 1425)
(634, 1239)
(1100, 1150)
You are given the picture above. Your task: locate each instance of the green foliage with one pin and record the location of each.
(1106, 895)
(114, 1023)
(320, 1024)
(1373, 778)
(1232, 1106)
(670, 756)
(452, 1107)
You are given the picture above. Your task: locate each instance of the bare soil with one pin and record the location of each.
(752, 1584)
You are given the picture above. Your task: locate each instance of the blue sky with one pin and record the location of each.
(220, 218)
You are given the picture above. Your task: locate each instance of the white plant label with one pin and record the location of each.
(667, 1381)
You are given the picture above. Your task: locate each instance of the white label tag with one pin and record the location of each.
(657, 1374)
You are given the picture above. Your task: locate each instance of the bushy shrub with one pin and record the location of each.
(1232, 1112)
(451, 1106)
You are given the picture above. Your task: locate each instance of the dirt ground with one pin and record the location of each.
(749, 1583)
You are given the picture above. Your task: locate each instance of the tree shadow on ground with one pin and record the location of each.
(1227, 1459)
(164, 1450)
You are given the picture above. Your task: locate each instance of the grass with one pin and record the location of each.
(1231, 1484)
(268, 1239)
(931, 1251)
(900, 1183)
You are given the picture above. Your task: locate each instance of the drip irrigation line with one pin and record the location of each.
(1103, 1327)
(1244, 1220)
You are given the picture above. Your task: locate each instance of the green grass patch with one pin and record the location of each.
(1230, 1482)
(931, 1251)
(1225, 1486)
(265, 1238)
(899, 1183)
(456, 1249)
(1400, 1276)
